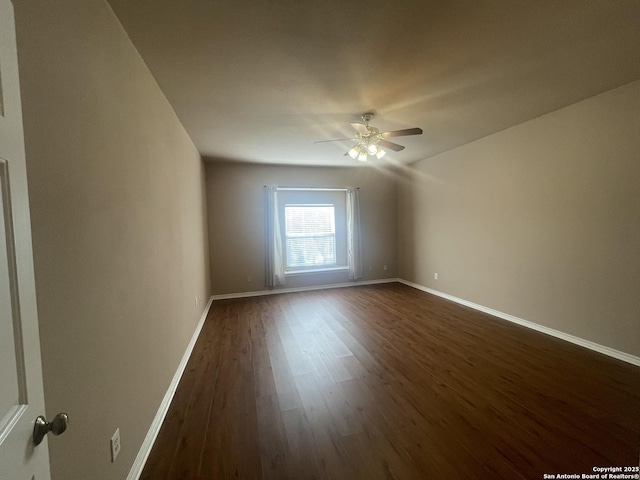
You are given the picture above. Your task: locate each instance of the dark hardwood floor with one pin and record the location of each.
(388, 382)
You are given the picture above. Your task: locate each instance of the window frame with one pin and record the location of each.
(332, 235)
(311, 196)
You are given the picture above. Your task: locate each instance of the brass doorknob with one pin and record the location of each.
(42, 427)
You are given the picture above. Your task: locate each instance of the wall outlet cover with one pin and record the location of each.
(115, 445)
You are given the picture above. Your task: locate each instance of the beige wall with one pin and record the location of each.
(541, 221)
(119, 230)
(236, 221)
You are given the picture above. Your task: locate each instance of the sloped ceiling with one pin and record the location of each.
(260, 80)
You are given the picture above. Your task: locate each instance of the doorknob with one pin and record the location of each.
(42, 427)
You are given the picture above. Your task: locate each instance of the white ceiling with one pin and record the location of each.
(261, 80)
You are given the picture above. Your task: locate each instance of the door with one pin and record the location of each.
(21, 394)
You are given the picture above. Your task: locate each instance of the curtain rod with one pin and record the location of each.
(317, 189)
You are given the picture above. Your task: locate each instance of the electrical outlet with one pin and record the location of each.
(115, 445)
(384, 267)
(197, 301)
(248, 278)
(435, 276)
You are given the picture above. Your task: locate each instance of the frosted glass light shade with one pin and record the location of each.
(362, 151)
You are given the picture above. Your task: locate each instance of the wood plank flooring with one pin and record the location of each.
(388, 382)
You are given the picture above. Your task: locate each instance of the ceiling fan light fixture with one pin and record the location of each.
(368, 139)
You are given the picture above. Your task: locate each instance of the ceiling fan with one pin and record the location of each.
(369, 140)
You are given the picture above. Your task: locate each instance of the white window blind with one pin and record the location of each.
(310, 232)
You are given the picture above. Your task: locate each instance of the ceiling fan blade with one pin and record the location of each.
(401, 133)
(335, 140)
(361, 128)
(390, 145)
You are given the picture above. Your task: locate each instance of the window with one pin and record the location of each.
(313, 227)
(310, 232)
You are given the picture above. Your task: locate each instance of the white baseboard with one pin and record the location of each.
(147, 444)
(259, 293)
(625, 357)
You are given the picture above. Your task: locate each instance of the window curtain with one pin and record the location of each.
(274, 251)
(354, 251)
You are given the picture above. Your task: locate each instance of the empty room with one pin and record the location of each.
(319, 240)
